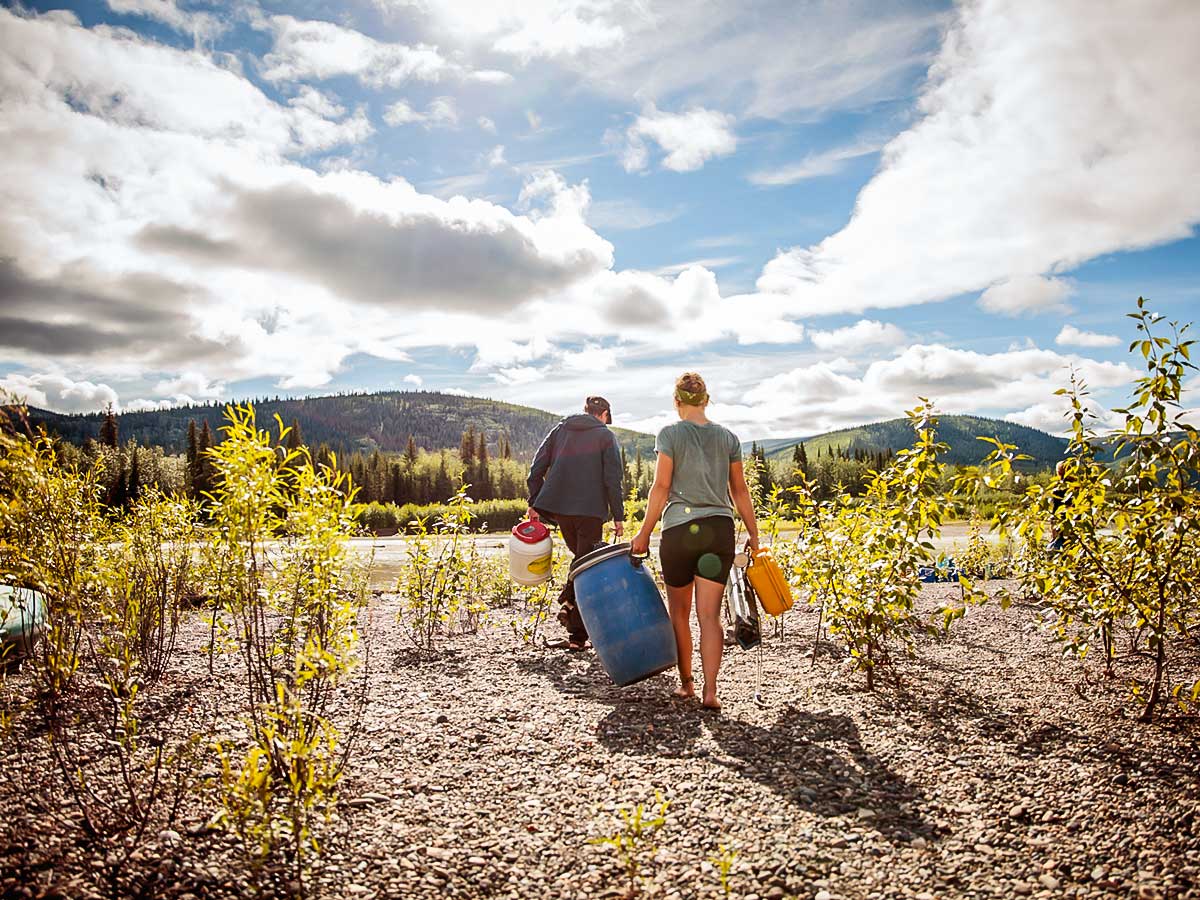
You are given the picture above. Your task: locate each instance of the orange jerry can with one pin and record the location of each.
(774, 592)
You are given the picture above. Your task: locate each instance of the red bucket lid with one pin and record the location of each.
(530, 532)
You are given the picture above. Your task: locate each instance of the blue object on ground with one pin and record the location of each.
(624, 614)
(22, 619)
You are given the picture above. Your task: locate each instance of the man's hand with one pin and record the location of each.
(640, 545)
(531, 515)
(753, 540)
(618, 528)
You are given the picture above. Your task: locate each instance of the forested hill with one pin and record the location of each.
(960, 432)
(346, 423)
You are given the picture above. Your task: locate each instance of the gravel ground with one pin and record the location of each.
(988, 767)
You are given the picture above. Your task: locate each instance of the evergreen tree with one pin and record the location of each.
(803, 457)
(466, 449)
(443, 487)
(192, 470)
(398, 492)
(108, 428)
(294, 439)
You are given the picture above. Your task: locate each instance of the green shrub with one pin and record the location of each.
(497, 516)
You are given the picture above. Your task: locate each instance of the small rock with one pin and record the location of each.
(169, 836)
(1024, 888)
(442, 719)
(1016, 812)
(920, 843)
(823, 895)
(1121, 779)
(1048, 881)
(1098, 873)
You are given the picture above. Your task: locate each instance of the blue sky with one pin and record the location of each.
(828, 209)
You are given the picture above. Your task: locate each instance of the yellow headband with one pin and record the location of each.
(699, 398)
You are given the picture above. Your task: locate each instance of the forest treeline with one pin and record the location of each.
(345, 423)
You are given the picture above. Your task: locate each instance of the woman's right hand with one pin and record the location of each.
(640, 545)
(531, 515)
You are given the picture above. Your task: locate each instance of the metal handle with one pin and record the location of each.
(638, 558)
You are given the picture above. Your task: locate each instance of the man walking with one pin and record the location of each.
(575, 482)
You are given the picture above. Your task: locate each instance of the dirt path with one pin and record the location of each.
(990, 769)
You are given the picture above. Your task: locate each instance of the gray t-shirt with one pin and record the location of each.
(701, 455)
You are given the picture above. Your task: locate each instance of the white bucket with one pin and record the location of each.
(530, 554)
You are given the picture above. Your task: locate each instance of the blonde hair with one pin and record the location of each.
(691, 390)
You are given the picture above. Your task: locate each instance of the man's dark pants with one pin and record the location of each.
(580, 534)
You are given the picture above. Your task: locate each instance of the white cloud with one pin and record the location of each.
(312, 49)
(400, 113)
(413, 379)
(689, 138)
(440, 113)
(818, 165)
(486, 124)
(1027, 294)
(1054, 416)
(709, 262)
(495, 157)
(191, 385)
(58, 393)
(786, 59)
(822, 396)
(590, 359)
(200, 25)
(1050, 133)
(519, 375)
(628, 215)
(1073, 337)
(262, 267)
(863, 334)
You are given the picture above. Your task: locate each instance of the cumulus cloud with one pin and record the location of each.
(57, 392)
(192, 175)
(1071, 336)
(689, 139)
(863, 334)
(1027, 294)
(1024, 162)
(401, 250)
(317, 50)
(826, 395)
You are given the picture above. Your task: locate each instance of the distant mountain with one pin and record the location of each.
(960, 432)
(346, 422)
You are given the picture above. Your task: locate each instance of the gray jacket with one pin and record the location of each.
(577, 471)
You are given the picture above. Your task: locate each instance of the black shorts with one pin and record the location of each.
(701, 548)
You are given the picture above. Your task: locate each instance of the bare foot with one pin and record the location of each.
(686, 688)
(711, 703)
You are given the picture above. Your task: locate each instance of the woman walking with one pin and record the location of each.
(699, 473)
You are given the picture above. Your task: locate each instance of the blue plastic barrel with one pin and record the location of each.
(624, 614)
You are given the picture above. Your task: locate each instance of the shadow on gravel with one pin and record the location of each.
(816, 761)
(644, 720)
